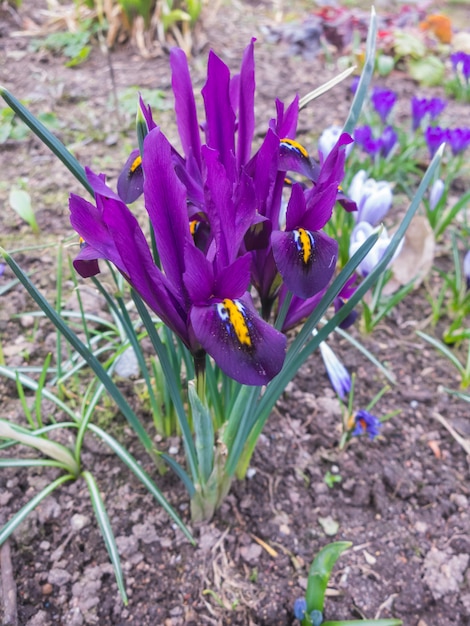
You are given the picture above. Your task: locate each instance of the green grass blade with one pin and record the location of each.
(31, 463)
(444, 350)
(106, 531)
(363, 350)
(144, 478)
(80, 347)
(52, 449)
(204, 432)
(366, 76)
(40, 389)
(16, 520)
(50, 140)
(172, 383)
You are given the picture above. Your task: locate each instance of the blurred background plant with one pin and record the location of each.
(151, 25)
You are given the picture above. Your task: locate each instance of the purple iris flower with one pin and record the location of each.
(215, 212)
(461, 60)
(383, 101)
(435, 136)
(366, 423)
(300, 308)
(420, 107)
(200, 294)
(304, 255)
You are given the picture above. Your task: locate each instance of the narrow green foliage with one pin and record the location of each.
(320, 572)
(20, 202)
(106, 531)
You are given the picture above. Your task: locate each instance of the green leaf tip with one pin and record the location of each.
(320, 572)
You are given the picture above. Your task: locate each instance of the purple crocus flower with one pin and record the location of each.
(366, 423)
(420, 107)
(435, 136)
(435, 107)
(383, 101)
(459, 139)
(389, 140)
(382, 145)
(461, 61)
(363, 134)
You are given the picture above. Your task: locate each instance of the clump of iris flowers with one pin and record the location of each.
(215, 213)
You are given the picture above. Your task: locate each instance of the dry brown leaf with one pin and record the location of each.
(416, 257)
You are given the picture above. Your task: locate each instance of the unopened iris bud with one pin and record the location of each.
(337, 373)
(436, 193)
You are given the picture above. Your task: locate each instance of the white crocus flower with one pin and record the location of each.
(373, 198)
(361, 232)
(436, 193)
(328, 140)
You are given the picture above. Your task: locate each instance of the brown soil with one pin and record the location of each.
(403, 499)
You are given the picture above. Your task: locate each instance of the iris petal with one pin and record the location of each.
(244, 346)
(130, 184)
(306, 260)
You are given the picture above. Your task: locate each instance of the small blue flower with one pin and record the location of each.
(300, 606)
(366, 423)
(316, 617)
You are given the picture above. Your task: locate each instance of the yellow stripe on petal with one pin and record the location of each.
(135, 164)
(295, 146)
(233, 314)
(304, 241)
(193, 226)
